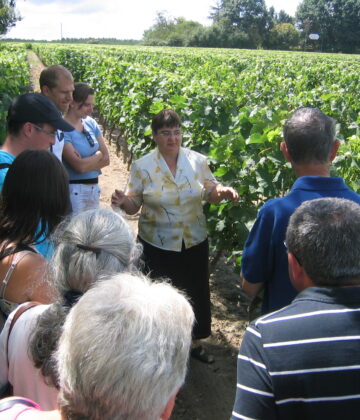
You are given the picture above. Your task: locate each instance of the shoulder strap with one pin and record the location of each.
(5, 165)
(17, 315)
(16, 258)
(8, 403)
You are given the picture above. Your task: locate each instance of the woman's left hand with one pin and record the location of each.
(220, 192)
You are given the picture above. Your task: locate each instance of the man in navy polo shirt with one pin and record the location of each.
(310, 146)
(302, 362)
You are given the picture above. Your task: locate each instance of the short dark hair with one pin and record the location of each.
(35, 198)
(323, 235)
(13, 128)
(309, 135)
(49, 76)
(165, 118)
(81, 92)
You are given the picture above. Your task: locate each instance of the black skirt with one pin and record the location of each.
(188, 271)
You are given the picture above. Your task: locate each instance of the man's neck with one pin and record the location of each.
(312, 170)
(13, 146)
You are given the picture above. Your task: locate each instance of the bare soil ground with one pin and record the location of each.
(209, 390)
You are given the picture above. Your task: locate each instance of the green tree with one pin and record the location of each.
(284, 36)
(8, 15)
(247, 16)
(169, 31)
(336, 21)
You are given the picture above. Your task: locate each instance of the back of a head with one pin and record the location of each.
(323, 235)
(124, 350)
(36, 189)
(91, 244)
(309, 135)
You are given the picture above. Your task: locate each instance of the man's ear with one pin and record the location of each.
(334, 149)
(27, 129)
(169, 408)
(298, 276)
(285, 151)
(44, 90)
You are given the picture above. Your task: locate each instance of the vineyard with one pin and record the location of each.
(14, 79)
(232, 104)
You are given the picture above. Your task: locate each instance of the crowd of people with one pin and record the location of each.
(98, 324)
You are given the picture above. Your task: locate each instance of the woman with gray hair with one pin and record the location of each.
(95, 243)
(123, 353)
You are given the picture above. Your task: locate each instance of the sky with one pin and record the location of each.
(49, 19)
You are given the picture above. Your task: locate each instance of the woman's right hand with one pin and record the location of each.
(118, 198)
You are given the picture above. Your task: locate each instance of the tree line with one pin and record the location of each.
(250, 24)
(318, 25)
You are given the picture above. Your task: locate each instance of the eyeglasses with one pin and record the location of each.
(49, 133)
(88, 137)
(168, 133)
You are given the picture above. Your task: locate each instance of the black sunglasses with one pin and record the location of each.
(88, 137)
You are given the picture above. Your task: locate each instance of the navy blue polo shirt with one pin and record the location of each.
(264, 256)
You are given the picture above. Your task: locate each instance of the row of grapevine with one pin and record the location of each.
(232, 103)
(14, 79)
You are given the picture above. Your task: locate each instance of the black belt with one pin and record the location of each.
(84, 181)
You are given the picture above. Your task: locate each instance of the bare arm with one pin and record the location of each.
(105, 160)
(220, 192)
(119, 199)
(251, 289)
(82, 165)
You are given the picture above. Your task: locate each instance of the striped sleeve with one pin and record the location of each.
(254, 394)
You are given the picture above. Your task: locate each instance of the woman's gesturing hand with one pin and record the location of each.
(119, 199)
(220, 192)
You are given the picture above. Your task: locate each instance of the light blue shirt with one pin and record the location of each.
(5, 157)
(81, 144)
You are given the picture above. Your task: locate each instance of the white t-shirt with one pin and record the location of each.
(57, 148)
(27, 381)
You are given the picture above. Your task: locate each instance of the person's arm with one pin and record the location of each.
(219, 192)
(121, 200)
(105, 160)
(254, 390)
(251, 289)
(131, 200)
(79, 164)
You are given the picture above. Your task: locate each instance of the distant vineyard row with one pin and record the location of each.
(14, 79)
(232, 103)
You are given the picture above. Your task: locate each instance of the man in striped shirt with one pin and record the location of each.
(303, 361)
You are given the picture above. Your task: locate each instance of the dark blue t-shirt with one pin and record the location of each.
(264, 256)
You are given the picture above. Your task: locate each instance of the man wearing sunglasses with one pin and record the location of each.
(57, 84)
(310, 146)
(32, 122)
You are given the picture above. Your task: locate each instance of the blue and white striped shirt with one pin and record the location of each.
(303, 361)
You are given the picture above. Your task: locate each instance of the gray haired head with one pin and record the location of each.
(323, 235)
(124, 350)
(309, 135)
(113, 245)
(93, 244)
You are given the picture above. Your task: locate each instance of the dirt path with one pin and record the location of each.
(209, 390)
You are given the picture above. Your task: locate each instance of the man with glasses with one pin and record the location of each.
(310, 146)
(302, 362)
(57, 84)
(32, 121)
